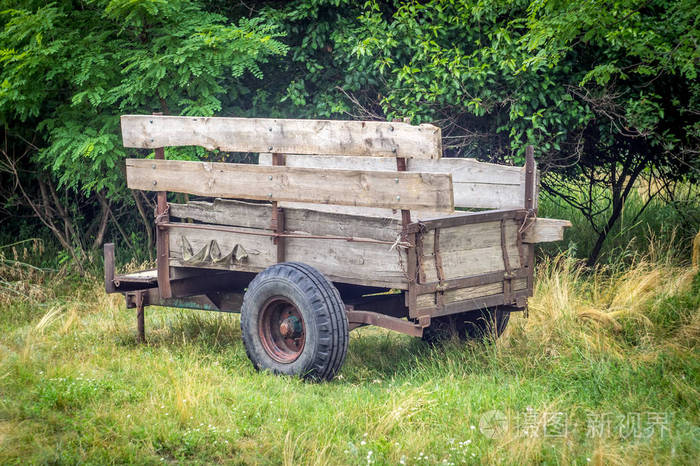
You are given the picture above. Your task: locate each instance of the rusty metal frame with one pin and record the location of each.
(531, 208)
(530, 175)
(219, 302)
(466, 282)
(140, 320)
(440, 272)
(508, 275)
(162, 235)
(278, 225)
(358, 318)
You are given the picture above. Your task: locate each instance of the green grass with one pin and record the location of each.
(75, 386)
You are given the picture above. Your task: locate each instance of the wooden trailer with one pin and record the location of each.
(341, 224)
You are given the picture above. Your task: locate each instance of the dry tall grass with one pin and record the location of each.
(593, 309)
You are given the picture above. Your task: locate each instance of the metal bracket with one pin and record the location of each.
(277, 224)
(358, 319)
(439, 294)
(162, 236)
(508, 275)
(140, 321)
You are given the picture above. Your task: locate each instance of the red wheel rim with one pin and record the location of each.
(281, 330)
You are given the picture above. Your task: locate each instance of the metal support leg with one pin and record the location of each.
(141, 337)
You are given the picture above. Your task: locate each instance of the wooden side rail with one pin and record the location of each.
(331, 137)
(477, 185)
(393, 190)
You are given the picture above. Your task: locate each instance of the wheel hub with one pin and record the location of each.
(291, 327)
(281, 330)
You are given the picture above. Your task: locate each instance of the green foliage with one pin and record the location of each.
(606, 90)
(71, 68)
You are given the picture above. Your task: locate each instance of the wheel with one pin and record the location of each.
(479, 324)
(293, 322)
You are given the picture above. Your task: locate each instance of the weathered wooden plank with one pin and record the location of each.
(368, 264)
(465, 218)
(471, 236)
(245, 214)
(544, 230)
(416, 214)
(344, 187)
(471, 249)
(465, 262)
(426, 301)
(476, 185)
(362, 138)
(256, 252)
(225, 212)
(463, 170)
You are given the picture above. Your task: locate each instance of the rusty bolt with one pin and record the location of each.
(285, 329)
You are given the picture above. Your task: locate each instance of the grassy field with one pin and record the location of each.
(605, 370)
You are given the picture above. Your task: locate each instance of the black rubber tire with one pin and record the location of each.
(475, 325)
(323, 312)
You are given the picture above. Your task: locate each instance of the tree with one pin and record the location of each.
(68, 69)
(606, 90)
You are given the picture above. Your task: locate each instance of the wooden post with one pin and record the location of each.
(411, 253)
(401, 167)
(278, 215)
(530, 177)
(162, 236)
(531, 208)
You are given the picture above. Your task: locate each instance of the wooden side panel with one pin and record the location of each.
(476, 184)
(428, 301)
(258, 250)
(357, 263)
(361, 138)
(468, 250)
(343, 187)
(416, 214)
(225, 212)
(238, 213)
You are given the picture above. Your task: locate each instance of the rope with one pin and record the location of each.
(530, 214)
(159, 217)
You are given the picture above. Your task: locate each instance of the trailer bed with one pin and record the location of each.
(364, 215)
